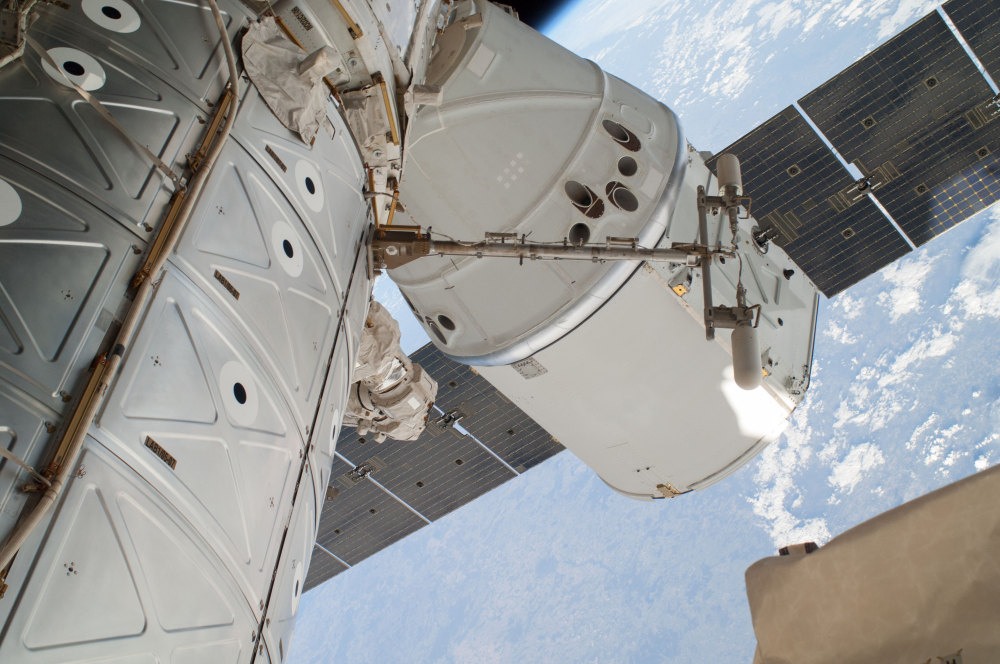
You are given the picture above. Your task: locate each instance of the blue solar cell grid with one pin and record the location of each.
(914, 114)
(796, 184)
(389, 490)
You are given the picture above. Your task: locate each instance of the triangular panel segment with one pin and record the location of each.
(272, 208)
(90, 571)
(219, 351)
(8, 340)
(38, 130)
(204, 466)
(47, 284)
(170, 383)
(186, 19)
(265, 469)
(309, 337)
(148, 127)
(184, 597)
(229, 227)
(260, 300)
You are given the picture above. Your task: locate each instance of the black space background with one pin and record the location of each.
(536, 13)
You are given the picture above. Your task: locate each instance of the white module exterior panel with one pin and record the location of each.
(323, 182)
(356, 312)
(192, 385)
(248, 248)
(49, 128)
(122, 575)
(789, 301)
(165, 37)
(604, 390)
(330, 417)
(397, 17)
(169, 537)
(63, 268)
(291, 577)
(24, 430)
(536, 151)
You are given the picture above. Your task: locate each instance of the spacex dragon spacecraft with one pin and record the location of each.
(195, 199)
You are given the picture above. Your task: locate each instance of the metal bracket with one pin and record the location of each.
(4, 452)
(365, 469)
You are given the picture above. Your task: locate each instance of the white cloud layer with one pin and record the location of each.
(978, 294)
(907, 279)
(849, 472)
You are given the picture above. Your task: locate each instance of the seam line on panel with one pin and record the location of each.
(968, 49)
(851, 169)
(381, 486)
(461, 429)
(331, 554)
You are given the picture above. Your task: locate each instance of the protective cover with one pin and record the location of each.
(379, 345)
(391, 396)
(290, 81)
(365, 112)
(912, 585)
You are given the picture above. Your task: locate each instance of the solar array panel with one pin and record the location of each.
(389, 490)
(363, 519)
(487, 414)
(434, 475)
(836, 235)
(918, 117)
(977, 21)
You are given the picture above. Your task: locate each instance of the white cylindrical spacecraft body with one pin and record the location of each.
(534, 140)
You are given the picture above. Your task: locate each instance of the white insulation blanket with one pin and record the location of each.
(289, 80)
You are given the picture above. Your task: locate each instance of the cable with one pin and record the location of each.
(129, 326)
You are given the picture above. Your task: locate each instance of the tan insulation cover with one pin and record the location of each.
(917, 583)
(379, 345)
(294, 93)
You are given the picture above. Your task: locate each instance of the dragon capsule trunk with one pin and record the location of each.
(525, 137)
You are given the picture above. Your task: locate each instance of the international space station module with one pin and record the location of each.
(196, 197)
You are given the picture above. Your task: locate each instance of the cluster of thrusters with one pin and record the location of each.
(620, 194)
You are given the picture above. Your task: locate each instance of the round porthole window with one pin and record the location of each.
(287, 248)
(310, 185)
(114, 15)
(10, 204)
(79, 67)
(239, 393)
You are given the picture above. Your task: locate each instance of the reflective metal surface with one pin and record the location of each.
(323, 182)
(125, 575)
(49, 128)
(237, 457)
(169, 38)
(246, 247)
(63, 270)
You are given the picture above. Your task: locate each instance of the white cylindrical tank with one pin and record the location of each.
(534, 140)
(728, 167)
(746, 356)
